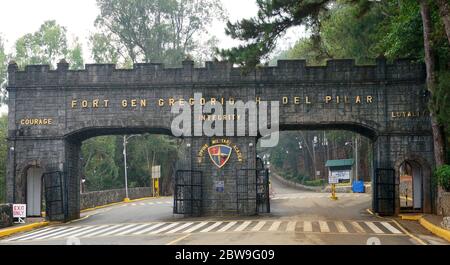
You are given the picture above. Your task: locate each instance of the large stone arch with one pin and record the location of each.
(52, 111)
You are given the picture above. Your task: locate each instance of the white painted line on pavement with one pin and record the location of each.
(80, 229)
(192, 229)
(32, 234)
(96, 228)
(179, 228)
(374, 228)
(148, 229)
(358, 228)
(55, 234)
(118, 230)
(163, 229)
(228, 226)
(132, 229)
(258, 226)
(324, 227)
(341, 227)
(242, 226)
(391, 228)
(102, 230)
(275, 226)
(211, 227)
(291, 226)
(307, 226)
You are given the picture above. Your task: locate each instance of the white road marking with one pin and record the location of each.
(148, 229)
(118, 230)
(165, 228)
(102, 230)
(307, 226)
(89, 231)
(258, 226)
(291, 226)
(55, 234)
(181, 227)
(133, 229)
(150, 203)
(275, 226)
(324, 227)
(358, 228)
(34, 233)
(198, 226)
(391, 228)
(374, 228)
(211, 227)
(341, 227)
(242, 226)
(80, 229)
(228, 226)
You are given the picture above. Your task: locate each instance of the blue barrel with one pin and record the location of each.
(358, 186)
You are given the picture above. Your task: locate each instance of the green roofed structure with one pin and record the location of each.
(340, 170)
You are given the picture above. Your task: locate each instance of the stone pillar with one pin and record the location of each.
(239, 194)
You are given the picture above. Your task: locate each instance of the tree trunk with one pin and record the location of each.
(438, 136)
(444, 11)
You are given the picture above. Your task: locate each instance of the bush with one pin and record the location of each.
(315, 183)
(443, 177)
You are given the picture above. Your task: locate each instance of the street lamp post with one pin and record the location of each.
(125, 141)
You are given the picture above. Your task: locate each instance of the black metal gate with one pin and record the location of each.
(54, 195)
(385, 187)
(188, 193)
(262, 191)
(252, 186)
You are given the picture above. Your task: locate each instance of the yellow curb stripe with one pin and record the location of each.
(441, 232)
(24, 228)
(410, 217)
(117, 203)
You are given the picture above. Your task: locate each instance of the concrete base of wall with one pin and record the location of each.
(99, 198)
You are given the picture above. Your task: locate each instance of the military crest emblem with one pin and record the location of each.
(220, 154)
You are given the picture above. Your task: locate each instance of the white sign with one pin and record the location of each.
(156, 172)
(19, 213)
(335, 176)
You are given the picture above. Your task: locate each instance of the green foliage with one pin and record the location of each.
(164, 31)
(443, 177)
(48, 45)
(3, 70)
(3, 154)
(99, 166)
(75, 56)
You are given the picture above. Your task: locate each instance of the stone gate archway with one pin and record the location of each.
(51, 111)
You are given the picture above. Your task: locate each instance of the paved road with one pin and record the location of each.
(297, 217)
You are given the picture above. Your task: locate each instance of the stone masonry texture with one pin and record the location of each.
(385, 102)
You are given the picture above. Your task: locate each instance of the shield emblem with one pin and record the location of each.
(219, 154)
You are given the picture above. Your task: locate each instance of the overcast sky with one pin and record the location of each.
(19, 17)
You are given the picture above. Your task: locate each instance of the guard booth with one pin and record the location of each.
(342, 170)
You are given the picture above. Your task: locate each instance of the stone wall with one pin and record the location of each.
(6, 215)
(99, 198)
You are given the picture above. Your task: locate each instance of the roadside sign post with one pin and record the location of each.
(156, 175)
(333, 180)
(19, 213)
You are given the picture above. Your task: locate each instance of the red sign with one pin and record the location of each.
(19, 210)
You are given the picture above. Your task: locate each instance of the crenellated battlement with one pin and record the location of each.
(343, 70)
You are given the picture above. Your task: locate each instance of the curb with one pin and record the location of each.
(121, 202)
(24, 228)
(440, 232)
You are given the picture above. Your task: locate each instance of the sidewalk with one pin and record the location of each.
(430, 222)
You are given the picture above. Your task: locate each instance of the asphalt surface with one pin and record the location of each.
(297, 218)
